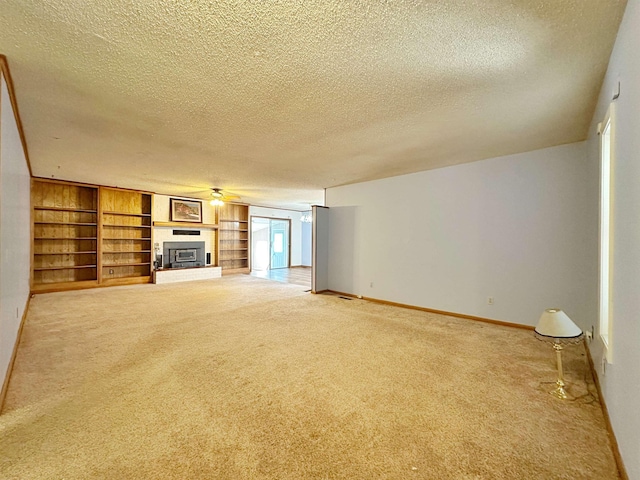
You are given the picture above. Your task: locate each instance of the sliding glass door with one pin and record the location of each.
(279, 244)
(270, 243)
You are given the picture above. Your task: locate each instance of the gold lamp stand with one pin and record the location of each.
(557, 328)
(559, 391)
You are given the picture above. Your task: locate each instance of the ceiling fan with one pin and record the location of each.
(218, 197)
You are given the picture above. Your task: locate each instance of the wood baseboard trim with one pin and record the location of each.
(321, 291)
(7, 378)
(440, 312)
(605, 412)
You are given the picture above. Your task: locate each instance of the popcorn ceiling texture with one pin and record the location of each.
(277, 100)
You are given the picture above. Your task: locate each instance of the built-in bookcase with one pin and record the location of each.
(126, 235)
(233, 234)
(85, 235)
(65, 234)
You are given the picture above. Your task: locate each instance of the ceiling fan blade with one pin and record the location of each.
(230, 197)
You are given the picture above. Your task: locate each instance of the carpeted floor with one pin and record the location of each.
(244, 378)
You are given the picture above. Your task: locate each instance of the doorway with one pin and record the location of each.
(270, 243)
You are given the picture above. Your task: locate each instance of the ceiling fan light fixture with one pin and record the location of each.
(216, 202)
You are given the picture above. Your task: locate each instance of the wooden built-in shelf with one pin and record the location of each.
(127, 214)
(127, 238)
(133, 264)
(64, 209)
(233, 238)
(67, 214)
(113, 225)
(126, 251)
(67, 223)
(68, 267)
(93, 252)
(65, 238)
(208, 226)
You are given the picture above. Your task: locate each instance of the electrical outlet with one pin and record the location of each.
(111, 271)
(589, 336)
(371, 285)
(489, 300)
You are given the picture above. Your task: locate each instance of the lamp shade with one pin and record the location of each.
(554, 323)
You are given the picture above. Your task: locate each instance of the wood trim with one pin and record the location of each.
(605, 412)
(440, 312)
(4, 67)
(132, 190)
(93, 185)
(233, 271)
(321, 291)
(33, 234)
(7, 378)
(63, 286)
(100, 233)
(111, 282)
(300, 266)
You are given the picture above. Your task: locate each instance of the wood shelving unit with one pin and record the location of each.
(233, 244)
(86, 235)
(65, 234)
(126, 236)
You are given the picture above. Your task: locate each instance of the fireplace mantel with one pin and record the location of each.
(207, 226)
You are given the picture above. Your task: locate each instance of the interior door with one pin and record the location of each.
(279, 244)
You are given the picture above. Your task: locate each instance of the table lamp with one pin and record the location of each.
(557, 328)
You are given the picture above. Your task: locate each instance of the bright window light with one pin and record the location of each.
(607, 131)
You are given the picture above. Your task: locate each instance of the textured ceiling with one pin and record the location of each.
(275, 100)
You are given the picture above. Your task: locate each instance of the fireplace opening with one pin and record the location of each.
(183, 254)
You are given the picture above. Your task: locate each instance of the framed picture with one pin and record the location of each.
(186, 210)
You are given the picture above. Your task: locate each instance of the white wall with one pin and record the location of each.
(15, 231)
(161, 209)
(621, 380)
(512, 228)
(296, 228)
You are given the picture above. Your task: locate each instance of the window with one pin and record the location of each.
(607, 132)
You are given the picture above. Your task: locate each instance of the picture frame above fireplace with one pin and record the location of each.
(185, 210)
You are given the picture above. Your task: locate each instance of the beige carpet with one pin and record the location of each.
(244, 378)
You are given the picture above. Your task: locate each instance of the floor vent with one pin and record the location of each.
(345, 298)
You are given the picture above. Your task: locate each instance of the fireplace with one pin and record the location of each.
(183, 254)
